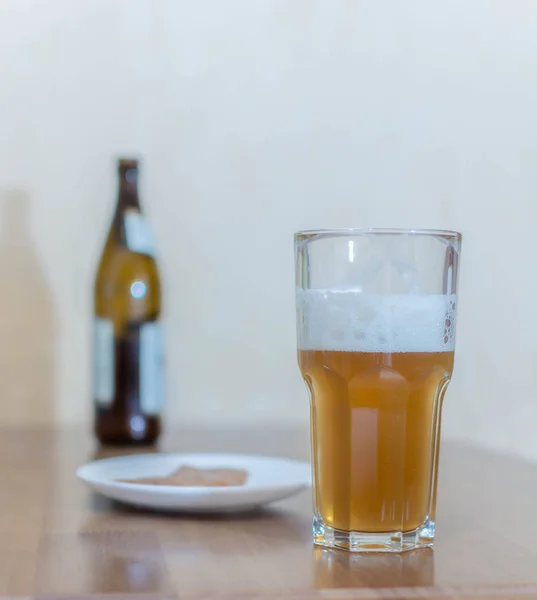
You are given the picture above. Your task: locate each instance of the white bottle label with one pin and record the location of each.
(103, 362)
(138, 234)
(151, 368)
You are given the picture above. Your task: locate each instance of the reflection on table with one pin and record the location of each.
(340, 569)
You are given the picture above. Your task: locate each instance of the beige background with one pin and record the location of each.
(256, 118)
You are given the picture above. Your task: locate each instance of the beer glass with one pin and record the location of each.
(376, 318)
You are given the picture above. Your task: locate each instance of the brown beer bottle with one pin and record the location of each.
(127, 336)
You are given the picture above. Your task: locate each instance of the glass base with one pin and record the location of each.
(360, 541)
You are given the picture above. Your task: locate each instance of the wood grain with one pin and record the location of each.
(61, 540)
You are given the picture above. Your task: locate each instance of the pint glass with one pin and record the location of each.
(376, 318)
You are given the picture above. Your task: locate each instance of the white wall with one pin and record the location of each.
(256, 118)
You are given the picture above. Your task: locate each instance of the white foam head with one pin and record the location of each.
(351, 321)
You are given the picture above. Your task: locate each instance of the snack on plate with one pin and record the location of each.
(187, 476)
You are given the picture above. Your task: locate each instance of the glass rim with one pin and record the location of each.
(307, 234)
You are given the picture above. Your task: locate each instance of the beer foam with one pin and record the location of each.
(352, 321)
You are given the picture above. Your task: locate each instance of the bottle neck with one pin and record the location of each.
(128, 189)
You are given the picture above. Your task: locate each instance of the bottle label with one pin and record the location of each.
(103, 362)
(138, 234)
(151, 368)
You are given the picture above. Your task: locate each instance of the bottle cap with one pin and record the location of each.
(126, 164)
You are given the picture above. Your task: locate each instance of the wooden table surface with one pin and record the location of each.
(59, 539)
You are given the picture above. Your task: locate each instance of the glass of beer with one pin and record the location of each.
(376, 317)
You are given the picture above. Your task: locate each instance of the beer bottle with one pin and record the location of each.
(127, 335)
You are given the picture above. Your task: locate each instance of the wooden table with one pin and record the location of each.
(58, 539)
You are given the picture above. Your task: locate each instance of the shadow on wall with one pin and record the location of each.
(27, 323)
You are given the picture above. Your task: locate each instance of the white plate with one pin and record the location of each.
(269, 479)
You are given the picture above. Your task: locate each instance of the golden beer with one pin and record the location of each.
(376, 323)
(375, 419)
